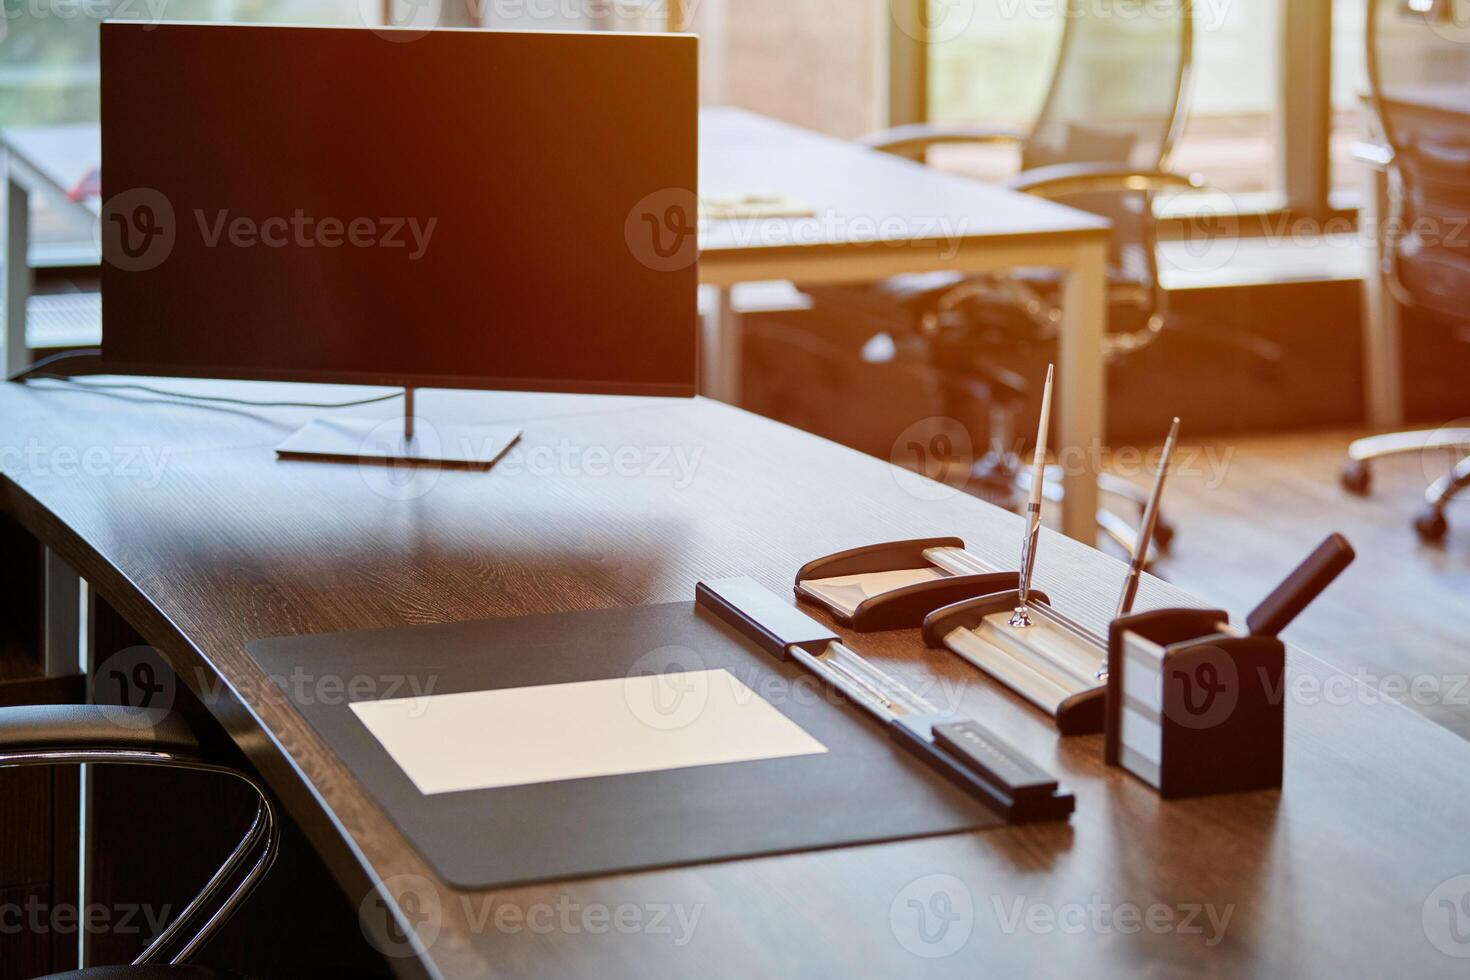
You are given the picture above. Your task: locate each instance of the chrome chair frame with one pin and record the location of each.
(261, 841)
(1431, 523)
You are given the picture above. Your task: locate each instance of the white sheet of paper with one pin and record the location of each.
(449, 743)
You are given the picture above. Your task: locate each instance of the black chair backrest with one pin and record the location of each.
(1419, 75)
(1118, 95)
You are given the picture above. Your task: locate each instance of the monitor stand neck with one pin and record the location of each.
(408, 416)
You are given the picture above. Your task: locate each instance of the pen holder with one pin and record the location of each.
(894, 586)
(1054, 663)
(1194, 707)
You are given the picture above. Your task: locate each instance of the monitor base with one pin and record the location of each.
(386, 441)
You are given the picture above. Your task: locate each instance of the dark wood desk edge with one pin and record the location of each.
(292, 787)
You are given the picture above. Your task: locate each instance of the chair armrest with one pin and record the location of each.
(95, 727)
(913, 140)
(1069, 179)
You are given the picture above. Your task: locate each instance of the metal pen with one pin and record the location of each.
(1021, 618)
(1146, 529)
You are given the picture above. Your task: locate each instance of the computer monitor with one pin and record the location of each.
(450, 208)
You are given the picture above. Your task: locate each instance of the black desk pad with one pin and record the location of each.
(864, 789)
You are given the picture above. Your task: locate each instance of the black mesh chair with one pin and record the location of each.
(54, 735)
(1102, 143)
(1418, 55)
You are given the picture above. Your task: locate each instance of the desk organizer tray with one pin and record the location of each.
(894, 586)
(846, 783)
(1056, 664)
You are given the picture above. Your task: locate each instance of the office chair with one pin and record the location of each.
(1102, 142)
(1415, 48)
(97, 735)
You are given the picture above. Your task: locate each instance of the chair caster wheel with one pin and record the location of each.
(1432, 527)
(1357, 479)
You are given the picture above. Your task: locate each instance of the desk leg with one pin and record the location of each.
(1082, 373)
(721, 363)
(1382, 350)
(17, 273)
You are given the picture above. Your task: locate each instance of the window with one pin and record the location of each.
(1349, 85)
(49, 75)
(996, 72)
(815, 63)
(1232, 138)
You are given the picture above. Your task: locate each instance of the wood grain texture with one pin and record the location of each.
(1329, 877)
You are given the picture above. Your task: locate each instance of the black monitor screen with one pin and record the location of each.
(463, 208)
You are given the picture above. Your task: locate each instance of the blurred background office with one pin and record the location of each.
(1268, 307)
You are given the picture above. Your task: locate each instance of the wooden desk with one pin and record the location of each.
(877, 216)
(1336, 876)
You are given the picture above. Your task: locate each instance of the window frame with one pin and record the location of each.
(1304, 141)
